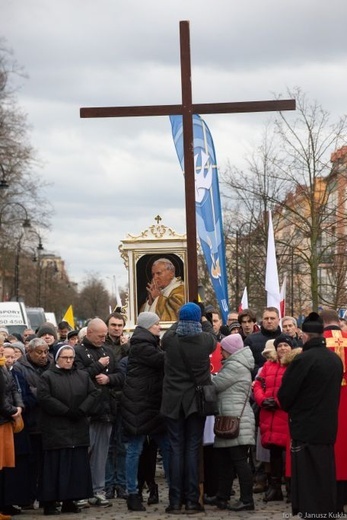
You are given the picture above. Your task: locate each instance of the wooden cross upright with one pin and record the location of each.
(186, 110)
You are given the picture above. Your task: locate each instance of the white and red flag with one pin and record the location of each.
(244, 301)
(283, 296)
(272, 286)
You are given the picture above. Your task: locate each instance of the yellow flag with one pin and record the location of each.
(68, 316)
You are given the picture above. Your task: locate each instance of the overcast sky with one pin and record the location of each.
(111, 177)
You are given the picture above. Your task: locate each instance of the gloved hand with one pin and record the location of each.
(269, 404)
(209, 316)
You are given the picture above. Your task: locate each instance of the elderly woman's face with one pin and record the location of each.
(66, 358)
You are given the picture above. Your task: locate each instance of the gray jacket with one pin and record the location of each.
(233, 383)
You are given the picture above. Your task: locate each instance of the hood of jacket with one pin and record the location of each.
(243, 356)
(288, 358)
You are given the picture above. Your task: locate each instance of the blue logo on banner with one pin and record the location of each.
(208, 206)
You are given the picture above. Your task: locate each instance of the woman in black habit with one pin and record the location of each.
(66, 396)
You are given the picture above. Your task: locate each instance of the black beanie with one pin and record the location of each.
(313, 323)
(284, 338)
(47, 329)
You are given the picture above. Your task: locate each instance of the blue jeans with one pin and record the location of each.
(134, 448)
(185, 439)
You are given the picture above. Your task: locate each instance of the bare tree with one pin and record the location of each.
(93, 299)
(291, 174)
(22, 202)
(18, 159)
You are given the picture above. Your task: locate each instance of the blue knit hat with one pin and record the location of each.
(189, 312)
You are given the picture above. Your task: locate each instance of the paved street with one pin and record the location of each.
(119, 511)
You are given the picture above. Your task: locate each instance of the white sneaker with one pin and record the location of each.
(99, 500)
(82, 504)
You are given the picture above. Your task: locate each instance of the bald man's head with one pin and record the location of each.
(96, 332)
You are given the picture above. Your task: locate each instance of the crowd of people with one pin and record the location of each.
(84, 415)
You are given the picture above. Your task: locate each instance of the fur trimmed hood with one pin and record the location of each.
(288, 358)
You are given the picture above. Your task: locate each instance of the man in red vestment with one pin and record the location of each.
(336, 340)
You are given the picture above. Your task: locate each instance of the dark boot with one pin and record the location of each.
(121, 492)
(109, 492)
(261, 483)
(275, 491)
(134, 503)
(153, 495)
(69, 506)
(50, 508)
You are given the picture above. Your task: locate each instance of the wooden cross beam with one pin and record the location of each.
(186, 110)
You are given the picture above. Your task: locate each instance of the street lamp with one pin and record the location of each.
(26, 222)
(37, 258)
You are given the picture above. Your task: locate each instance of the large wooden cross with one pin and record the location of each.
(186, 110)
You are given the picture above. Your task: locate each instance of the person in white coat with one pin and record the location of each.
(233, 384)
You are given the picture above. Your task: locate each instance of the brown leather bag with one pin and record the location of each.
(18, 424)
(226, 427)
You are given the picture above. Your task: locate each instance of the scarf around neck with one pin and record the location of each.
(188, 328)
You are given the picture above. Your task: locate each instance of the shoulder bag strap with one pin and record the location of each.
(244, 404)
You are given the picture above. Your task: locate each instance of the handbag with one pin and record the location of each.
(228, 426)
(205, 395)
(17, 424)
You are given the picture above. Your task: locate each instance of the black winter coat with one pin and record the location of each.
(178, 387)
(11, 397)
(141, 397)
(87, 356)
(66, 398)
(22, 444)
(256, 342)
(310, 393)
(32, 374)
